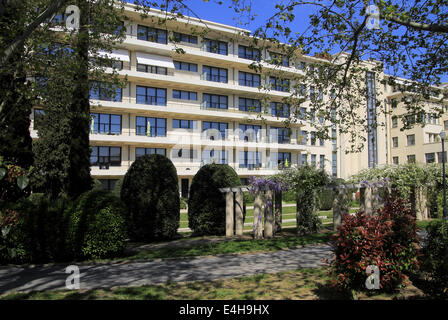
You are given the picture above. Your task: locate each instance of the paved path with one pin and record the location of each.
(162, 271)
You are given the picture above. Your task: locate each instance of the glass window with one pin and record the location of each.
(152, 96)
(411, 139)
(248, 79)
(215, 74)
(283, 159)
(322, 161)
(185, 95)
(250, 105)
(280, 135)
(214, 156)
(103, 91)
(144, 151)
(105, 156)
(151, 127)
(411, 158)
(152, 34)
(214, 46)
(184, 124)
(182, 37)
(278, 84)
(105, 123)
(430, 157)
(313, 160)
(279, 59)
(185, 66)
(304, 159)
(302, 137)
(395, 142)
(218, 126)
(248, 53)
(215, 101)
(249, 132)
(279, 109)
(249, 159)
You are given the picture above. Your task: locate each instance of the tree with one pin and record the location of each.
(62, 66)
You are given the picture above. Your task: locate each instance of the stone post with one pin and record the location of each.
(258, 216)
(269, 215)
(366, 199)
(229, 214)
(278, 211)
(419, 203)
(340, 206)
(239, 224)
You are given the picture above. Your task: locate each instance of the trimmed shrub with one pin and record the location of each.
(435, 257)
(150, 192)
(207, 205)
(387, 240)
(289, 196)
(326, 197)
(97, 226)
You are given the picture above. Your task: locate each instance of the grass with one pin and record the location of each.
(301, 284)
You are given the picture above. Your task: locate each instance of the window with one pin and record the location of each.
(214, 156)
(249, 132)
(215, 101)
(184, 124)
(139, 152)
(281, 135)
(150, 95)
(150, 127)
(248, 53)
(395, 142)
(152, 34)
(313, 138)
(214, 74)
(322, 161)
(105, 123)
(38, 116)
(410, 139)
(249, 159)
(185, 95)
(279, 109)
(184, 155)
(185, 66)
(104, 91)
(394, 122)
(151, 69)
(283, 159)
(301, 65)
(182, 37)
(395, 160)
(334, 164)
(279, 59)
(279, 84)
(105, 156)
(411, 158)
(215, 46)
(304, 159)
(250, 105)
(302, 137)
(321, 142)
(248, 79)
(313, 160)
(430, 157)
(219, 126)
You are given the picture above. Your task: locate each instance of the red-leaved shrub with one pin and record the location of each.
(387, 240)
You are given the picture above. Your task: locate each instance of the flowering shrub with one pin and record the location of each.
(387, 240)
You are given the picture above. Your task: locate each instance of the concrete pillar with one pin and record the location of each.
(278, 211)
(366, 199)
(340, 207)
(258, 216)
(419, 203)
(239, 225)
(229, 214)
(269, 215)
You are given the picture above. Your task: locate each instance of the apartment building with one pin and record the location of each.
(203, 106)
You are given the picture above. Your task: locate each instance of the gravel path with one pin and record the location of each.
(162, 271)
